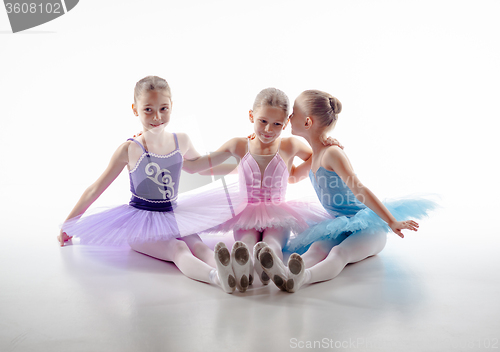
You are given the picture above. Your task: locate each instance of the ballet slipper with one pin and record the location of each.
(240, 259)
(273, 267)
(296, 271)
(224, 268)
(264, 278)
(250, 277)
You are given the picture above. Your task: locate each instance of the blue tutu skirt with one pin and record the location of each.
(339, 228)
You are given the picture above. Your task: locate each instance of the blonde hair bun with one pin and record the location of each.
(323, 106)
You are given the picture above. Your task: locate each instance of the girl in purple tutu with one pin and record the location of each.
(158, 221)
(265, 168)
(360, 221)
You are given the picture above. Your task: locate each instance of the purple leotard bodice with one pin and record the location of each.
(154, 181)
(269, 187)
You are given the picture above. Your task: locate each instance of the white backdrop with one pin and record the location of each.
(418, 82)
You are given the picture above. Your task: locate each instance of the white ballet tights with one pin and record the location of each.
(178, 252)
(318, 252)
(199, 249)
(276, 238)
(249, 237)
(354, 248)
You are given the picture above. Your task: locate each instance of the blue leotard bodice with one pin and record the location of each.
(154, 181)
(334, 194)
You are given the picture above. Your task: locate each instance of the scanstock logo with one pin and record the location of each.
(25, 14)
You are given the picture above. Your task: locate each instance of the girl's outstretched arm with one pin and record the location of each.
(118, 161)
(335, 159)
(194, 162)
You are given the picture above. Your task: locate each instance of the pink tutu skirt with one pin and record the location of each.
(294, 215)
(194, 212)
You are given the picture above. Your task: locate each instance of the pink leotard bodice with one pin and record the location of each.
(267, 187)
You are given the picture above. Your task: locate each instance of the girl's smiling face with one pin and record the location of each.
(268, 123)
(153, 108)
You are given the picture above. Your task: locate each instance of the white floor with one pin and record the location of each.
(419, 294)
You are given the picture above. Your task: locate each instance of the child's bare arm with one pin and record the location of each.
(118, 161)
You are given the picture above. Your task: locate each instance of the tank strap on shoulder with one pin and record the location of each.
(279, 146)
(138, 143)
(176, 141)
(248, 145)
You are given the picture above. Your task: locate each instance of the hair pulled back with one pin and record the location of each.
(151, 83)
(272, 97)
(325, 107)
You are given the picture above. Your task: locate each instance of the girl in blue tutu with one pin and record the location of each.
(158, 221)
(360, 221)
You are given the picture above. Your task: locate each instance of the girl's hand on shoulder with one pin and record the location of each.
(252, 136)
(397, 226)
(138, 134)
(328, 141)
(63, 237)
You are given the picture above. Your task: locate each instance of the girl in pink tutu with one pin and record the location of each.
(265, 168)
(158, 221)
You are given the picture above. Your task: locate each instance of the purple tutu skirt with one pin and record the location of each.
(193, 213)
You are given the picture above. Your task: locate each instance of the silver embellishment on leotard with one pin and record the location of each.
(152, 154)
(165, 181)
(155, 201)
